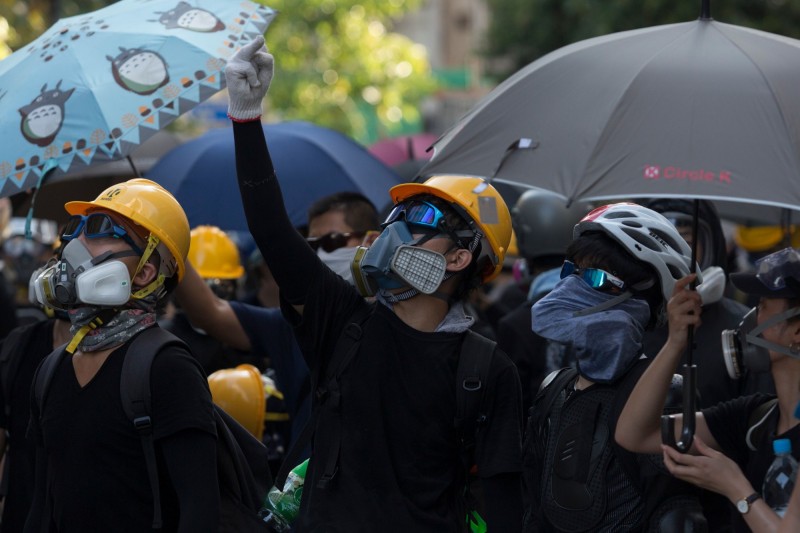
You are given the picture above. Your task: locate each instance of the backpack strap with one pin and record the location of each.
(44, 376)
(472, 376)
(551, 387)
(12, 352)
(134, 388)
(345, 349)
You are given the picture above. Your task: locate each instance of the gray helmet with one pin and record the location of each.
(543, 223)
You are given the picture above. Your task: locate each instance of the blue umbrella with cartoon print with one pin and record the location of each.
(94, 87)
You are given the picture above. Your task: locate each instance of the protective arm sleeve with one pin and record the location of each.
(503, 502)
(292, 262)
(191, 461)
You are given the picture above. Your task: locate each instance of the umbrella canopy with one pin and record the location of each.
(87, 183)
(95, 86)
(310, 161)
(699, 109)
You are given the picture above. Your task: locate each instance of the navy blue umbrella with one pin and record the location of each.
(310, 161)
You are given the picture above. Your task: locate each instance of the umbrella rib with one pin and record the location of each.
(718, 28)
(600, 138)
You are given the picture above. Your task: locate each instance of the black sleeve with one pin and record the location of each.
(503, 502)
(290, 259)
(191, 462)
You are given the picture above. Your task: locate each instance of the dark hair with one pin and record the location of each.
(359, 212)
(597, 249)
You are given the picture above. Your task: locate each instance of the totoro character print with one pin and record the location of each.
(138, 70)
(43, 117)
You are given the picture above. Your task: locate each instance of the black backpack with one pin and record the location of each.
(242, 460)
(662, 494)
(471, 377)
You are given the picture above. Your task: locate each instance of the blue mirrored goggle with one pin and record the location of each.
(97, 226)
(596, 278)
(416, 212)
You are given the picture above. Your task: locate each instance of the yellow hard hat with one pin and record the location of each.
(240, 393)
(151, 206)
(214, 254)
(481, 202)
(763, 238)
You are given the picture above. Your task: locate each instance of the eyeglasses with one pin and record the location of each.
(596, 278)
(416, 212)
(333, 241)
(97, 226)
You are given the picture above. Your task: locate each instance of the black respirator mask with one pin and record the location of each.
(744, 349)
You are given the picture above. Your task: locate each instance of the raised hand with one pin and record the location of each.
(248, 75)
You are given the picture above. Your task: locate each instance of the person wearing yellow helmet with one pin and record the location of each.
(215, 258)
(124, 252)
(385, 449)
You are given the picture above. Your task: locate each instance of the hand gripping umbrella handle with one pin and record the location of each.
(689, 374)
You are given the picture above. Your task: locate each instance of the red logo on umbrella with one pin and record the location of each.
(651, 172)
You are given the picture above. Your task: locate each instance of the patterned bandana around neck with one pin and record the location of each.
(116, 330)
(606, 343)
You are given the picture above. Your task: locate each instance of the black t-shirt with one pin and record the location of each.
(96, 474)
(729, 423)
(20, 454)
(399, 465)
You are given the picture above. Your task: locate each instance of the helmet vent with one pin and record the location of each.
(667, 239)
(632, 223)
(620, 214)
(674, 272)
(644, 240)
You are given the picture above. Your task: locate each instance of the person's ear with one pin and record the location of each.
(458, 260)
(145, 276)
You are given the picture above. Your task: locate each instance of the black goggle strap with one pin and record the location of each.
(753, 336)
(642, 285)
(152, 243)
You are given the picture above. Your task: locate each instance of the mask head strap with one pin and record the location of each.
(642, 285)
(754, 338)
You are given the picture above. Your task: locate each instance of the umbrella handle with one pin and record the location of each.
(689, 374)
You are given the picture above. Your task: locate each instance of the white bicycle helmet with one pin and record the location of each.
(647, 235)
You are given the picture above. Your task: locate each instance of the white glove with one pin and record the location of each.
(248, 75)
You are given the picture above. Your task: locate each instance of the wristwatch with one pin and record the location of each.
(743, 505)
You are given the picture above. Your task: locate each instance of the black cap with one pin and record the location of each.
(748, 283)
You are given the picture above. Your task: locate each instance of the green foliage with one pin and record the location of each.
(23, 21)
(524, 30)
(339, 65)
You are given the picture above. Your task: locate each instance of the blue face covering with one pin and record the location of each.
(606, 343)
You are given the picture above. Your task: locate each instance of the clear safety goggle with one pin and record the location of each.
(773, 269)
(97, 226)
(595, 277)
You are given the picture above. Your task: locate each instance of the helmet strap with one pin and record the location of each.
(152, 242)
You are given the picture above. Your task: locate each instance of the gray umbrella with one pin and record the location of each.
(699, 109)
(694, 110)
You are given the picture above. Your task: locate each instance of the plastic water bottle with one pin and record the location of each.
(281, 506)
(780, 478)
